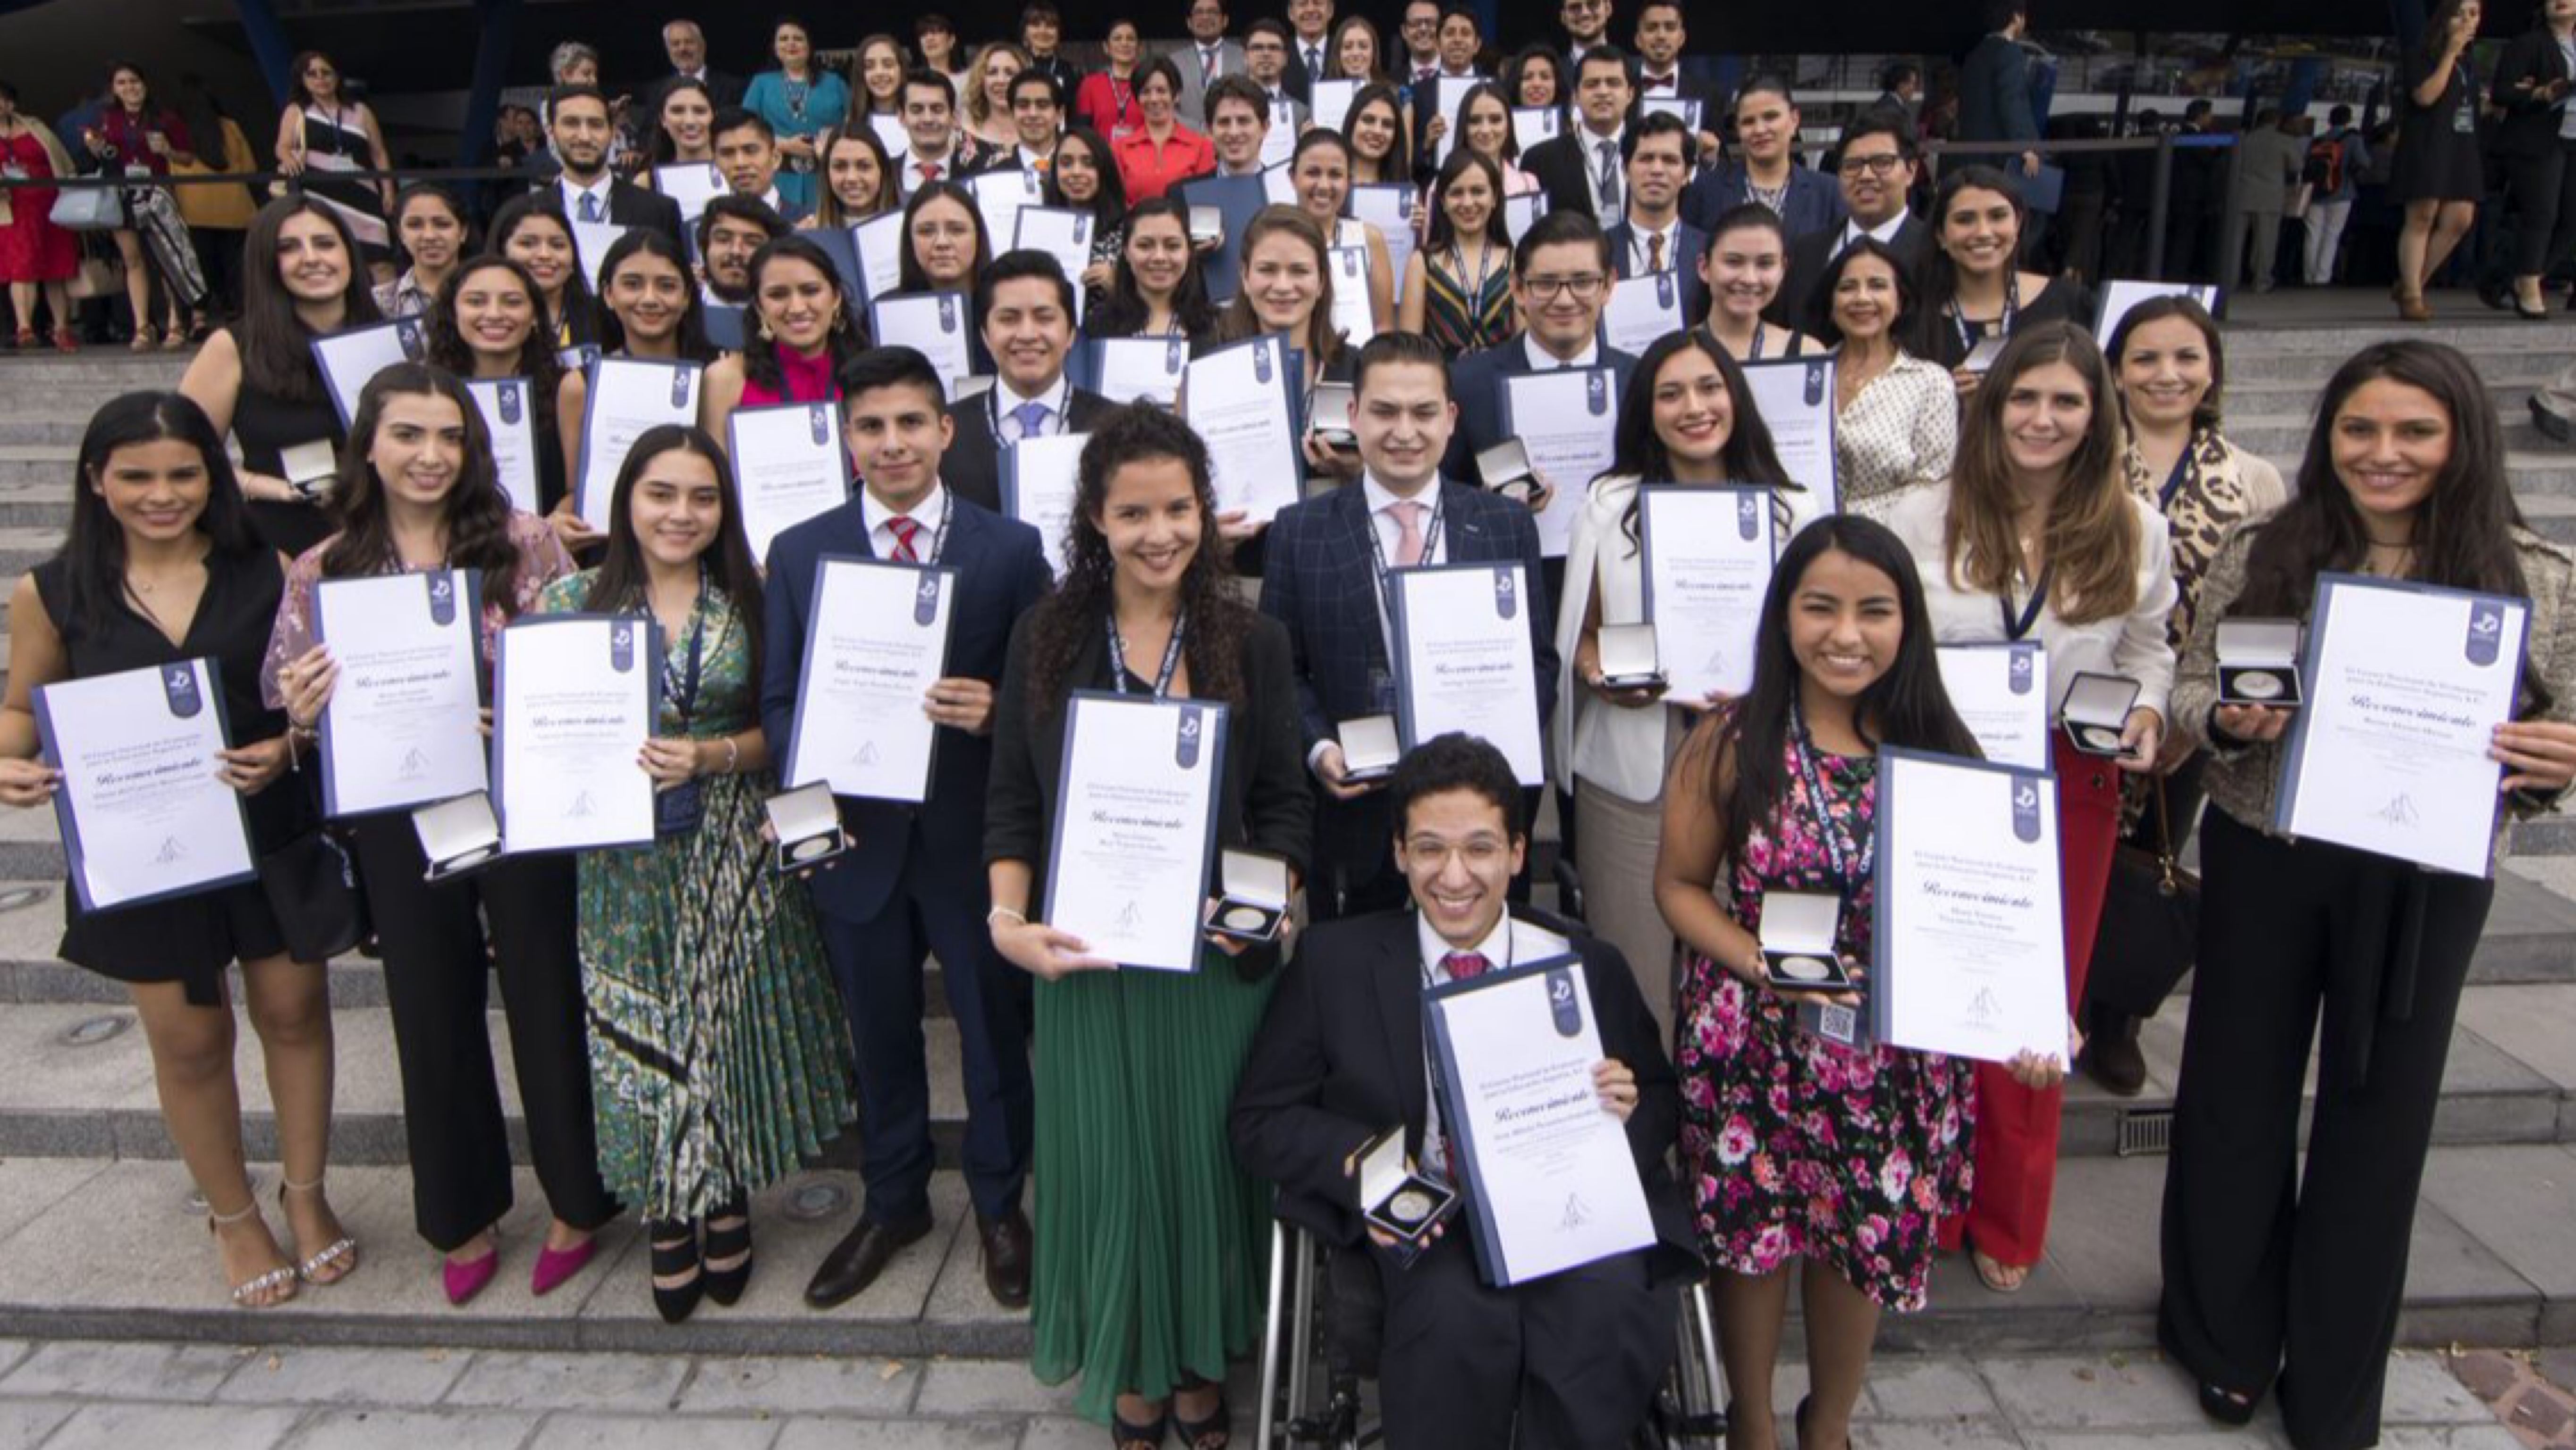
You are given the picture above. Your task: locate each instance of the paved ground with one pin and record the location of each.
(74, 1395)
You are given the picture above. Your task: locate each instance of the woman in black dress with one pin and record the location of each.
(161, 566)
(2439, 177)
(1973, 284)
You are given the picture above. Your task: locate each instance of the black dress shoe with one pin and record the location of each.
(2552, 427)
(1007, 1242)
(854, 1262)
(2111, 1055)
(2491, 291)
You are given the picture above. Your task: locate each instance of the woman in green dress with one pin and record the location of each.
(1149, 1273)
(718, 1053)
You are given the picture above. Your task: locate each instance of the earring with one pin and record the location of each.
(840, 320)
(760, 327)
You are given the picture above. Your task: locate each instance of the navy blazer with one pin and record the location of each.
(1001, 571)
(1562, 165)
(973, 464)
(1814, 202)
(1810, 255)
(1476, 382)
(1338, 1060)
(1683, 258)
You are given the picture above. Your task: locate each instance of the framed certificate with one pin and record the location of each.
(1242, 400)
(1567, 420)
(1795, 397)
(1135, 827)
(836, 244)
(2121, 294)
(999, 195)
(1038, 479)
(1061, 232)
(143, 815)
(1135, 369)
(1351, 313)
(725, 324)
(2405, 686)
(1969, 950)
(876, 640)
(2001, 694)
(939, 324)
(575, 696)
(788, 466)
(891, 135)
(512, 422)
(878, 244)
(628, 396)
(1463, 659)
(691, 184)
(1704, 567)
(590, 244)
(350, 360)
(404, 726)
(1278, 179)
(1520, 213)
(1329, 101)
(1534, 124)
(1546, 1169)
(1687, 110)
(1643, 309)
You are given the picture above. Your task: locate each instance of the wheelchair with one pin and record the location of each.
(1319, 1342)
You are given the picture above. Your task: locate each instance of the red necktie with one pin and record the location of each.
(930, 171)
(905, 531)
(1465, 966)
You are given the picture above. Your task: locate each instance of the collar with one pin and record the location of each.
(1543, 361)
(1518, 942)
(599, 188)
(947, 159)
(1380, 497)
(1592, 140)
(1885, 231)
(876, 515)
(770, 199)
(1035, 160)
(1056, 396)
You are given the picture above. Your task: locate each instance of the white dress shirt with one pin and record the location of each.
(928, 514)
(1510, 943)
(1004, 399)
(1641, 249)
(1543, 361)
(574, 191)
(1885, 232)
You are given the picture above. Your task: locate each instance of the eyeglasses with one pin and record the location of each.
(1884, 164)
(1583, 287)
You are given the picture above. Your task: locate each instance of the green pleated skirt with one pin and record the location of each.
(1152, 1247)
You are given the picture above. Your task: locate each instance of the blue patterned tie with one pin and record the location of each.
(1031, 418)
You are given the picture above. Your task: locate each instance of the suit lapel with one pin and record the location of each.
(1395, 970)
(1465, 532)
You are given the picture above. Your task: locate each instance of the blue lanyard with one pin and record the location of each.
(1852, 863)
(1171, 657)
(2016, 626)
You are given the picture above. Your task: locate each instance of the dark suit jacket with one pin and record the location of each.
(1320, 580)
(629, 205)
(973, 464)
(1994, 93)
(2529, 129)
(1339, 1060)
(1297, 80)
(1683, 258)
(1814, 202)
(724, 86)
(1563, 165)
(1001, 572)
(1688, 87)
(1476, 383)
(1811, 254)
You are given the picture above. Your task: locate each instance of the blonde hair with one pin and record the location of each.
(2092, 536)
(978, 109)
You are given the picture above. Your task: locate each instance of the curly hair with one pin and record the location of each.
(478, 513)
(537, 361)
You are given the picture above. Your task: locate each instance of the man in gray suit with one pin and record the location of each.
(1208, 56)
(2268, 162)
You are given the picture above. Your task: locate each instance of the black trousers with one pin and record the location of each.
(2266, 1271)
(2544, 202)
(437, 983)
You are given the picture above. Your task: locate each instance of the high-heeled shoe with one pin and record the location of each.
(334, 1263)
(1213, 1432)
(465, 1280)
(674, 1250)
(556, 1266)
(260, 1291)
(729, 1237)
(2412, 308)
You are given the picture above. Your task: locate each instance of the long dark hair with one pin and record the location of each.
(1749, 456)
(276, 347)
(580, 314)
(1820, 308)
(843, 344)
(912, 278)
(1069, 619)
(1906, 705)
(1399, 156)
(93, 552)
(2160, 309)
(2438, 26)
(663, 151)
(1123, 312)
(478, 513)
(1108, 206)
(2463, 529)
(692, 334)
(1939, 280)
(1440, 232)
(537, 362)
(617, 586)
(432, 191)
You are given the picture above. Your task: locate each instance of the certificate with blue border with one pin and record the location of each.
(404, 726)
(876, 640)
(1134, 836)
(1463, 659)
(626, 397)
(575, 696)
(1704, 568)
(143, 812)
(350, 359)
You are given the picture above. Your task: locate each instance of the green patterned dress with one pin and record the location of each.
(719, 1056)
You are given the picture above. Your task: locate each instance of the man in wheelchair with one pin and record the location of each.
(1571, 1360)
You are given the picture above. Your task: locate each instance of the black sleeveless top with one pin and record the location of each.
(266, 425)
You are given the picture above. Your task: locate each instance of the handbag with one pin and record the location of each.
(312, 885)
(89, 209)
(97, 277)
(2150, 923)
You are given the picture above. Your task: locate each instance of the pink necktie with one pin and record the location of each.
(1408, 533)
(1465, 966)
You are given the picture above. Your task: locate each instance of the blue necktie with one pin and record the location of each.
(1031, 418)
(590, 206)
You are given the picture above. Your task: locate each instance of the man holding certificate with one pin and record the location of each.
(1024, 312)
(913, 884)
(1573, 1356)
(1327, 580)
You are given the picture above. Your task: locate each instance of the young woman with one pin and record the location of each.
(1746, 261)
(1150, 1283)
(321, 131)
(2037, 536)
(1860, 1152)
(137, 137)
(2403, 478)
(1536, 77)
(416, 492)
(1973, 286)
(722, 1059)
(944, 245)
(1106, 100)
(1084, 176)
(488, 325)
(1159, 152)
(35, 255)
(2532, 79)
(1381, 143)
(987, 97)
(1458, 287)
(434, 233)
(1157, 288)
(2440, 175)
(798, 99)
(1767, 170)
(531, 231)
(859, 179)
(1688, 422)
(161, 566)
(257, 379)
(877, 76)
(1486, 128)
(684, 131)
(1320, 172)
(804, 332)
(1287, 289)
(1896, 417)
(936, 40)
(2171, 366)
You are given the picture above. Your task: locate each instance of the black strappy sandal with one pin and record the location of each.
(1216, 1432)
(1126, 1435)
(729, 1236)
(674, 1246)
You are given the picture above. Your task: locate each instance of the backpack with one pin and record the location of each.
(2324, 170)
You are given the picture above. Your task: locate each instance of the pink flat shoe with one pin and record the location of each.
(466, 1280)
(554, 1266)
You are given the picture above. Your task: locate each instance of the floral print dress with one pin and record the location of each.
(1796, 1147)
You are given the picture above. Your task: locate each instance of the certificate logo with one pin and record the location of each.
(2025, 809)
(407, 334)
(1350, 261)
(1082, 229)
(1748, 517)
(1816, 383)
(513, 405)
(621, 648)
(818, 418)
(1507, 603)
(1577, 1214)
(1175, 356)
(1664, 290)
(413, 765)
(1265, 364)
(1596, 394)
(442, 599)
(1564, 1004)
(2021, 677)
(1983, 1008)
(925, 600)
(179, 684)
(1186, 739)
(683, 383)
(582, 805)
(947, 312)
(2486, 631)
(173, 851)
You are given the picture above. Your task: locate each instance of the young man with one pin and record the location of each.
(1660, 39)
(729, 231)
(1037, 118)
(1459, 43)
(1310, 48)
(1324, 577)
(1570, 1359)
(1238, 123)
(1208, 56)
(1659, 153)
(1265, 59)
(1024, 313)
(589, 191)
(1878, 169)
(939, 150)
(1041, 31)
(1587, 27)
(1421, 36)
(1562, 274)
(1580, 170)
(747, 153)
(913, 883)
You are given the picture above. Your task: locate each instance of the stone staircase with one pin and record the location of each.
(95, 1230)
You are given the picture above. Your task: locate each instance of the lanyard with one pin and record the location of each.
(2003, 325)
(1171, 657)
(2174, 480)
(1475, 298)
(2018, 625)
(939, 535)
(1435, 1139)
(1430, 543)
(684, 693)
(1755, 354)
(1851, 862)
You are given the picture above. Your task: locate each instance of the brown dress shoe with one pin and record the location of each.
(1007, 1244)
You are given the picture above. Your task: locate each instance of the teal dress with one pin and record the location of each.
(719, 1056)
(793, 109)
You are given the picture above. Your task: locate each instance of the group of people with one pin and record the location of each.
(689, 1022)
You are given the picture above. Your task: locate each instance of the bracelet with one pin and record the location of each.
(733, 757)
(1017, 917)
